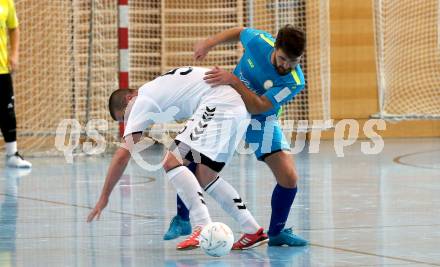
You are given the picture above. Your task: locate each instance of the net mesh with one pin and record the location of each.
(408, 58)
(68, 68)
(163, 33)
(69, 55)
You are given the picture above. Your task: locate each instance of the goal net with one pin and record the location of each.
(68, 68)
(163, 33)
(408, 58)
(69, 55)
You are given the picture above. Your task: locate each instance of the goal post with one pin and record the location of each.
(408, 59)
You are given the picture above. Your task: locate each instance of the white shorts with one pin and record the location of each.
(215, 129)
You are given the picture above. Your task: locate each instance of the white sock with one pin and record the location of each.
(231, 202)
(190, 192)
(11, 148)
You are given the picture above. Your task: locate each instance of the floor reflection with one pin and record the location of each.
(8, 215)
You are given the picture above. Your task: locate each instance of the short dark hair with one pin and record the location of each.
(291, 40)
(117, 101)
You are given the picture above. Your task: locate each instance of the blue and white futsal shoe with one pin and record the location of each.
(178, 227)
(287, 237)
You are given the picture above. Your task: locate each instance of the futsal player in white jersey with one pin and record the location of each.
(209, 139)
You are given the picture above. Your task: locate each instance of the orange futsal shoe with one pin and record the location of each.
(248, 241)
(192, 241)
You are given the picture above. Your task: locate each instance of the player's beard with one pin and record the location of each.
(279, 69)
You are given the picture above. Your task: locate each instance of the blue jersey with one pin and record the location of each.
(257, 72)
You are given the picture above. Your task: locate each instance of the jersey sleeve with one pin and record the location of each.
(278, 96)
(248, 33)
(11, 20)
(141, 116)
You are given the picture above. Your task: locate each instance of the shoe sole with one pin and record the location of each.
(19, 167)
(172, 236)
(188, 248)
(285, 244)
(176, 236)
(256, 244)
(166, 238)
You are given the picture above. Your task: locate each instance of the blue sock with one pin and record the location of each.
(182, 210)
(282, 200)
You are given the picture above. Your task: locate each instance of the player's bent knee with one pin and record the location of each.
(288, 183)
(291, 182)
(170, 162)
(206, 176)
(288, 179)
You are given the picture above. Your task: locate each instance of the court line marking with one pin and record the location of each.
(80, 206)
(368, 227)
(121, 183)
(81, 236)
(376, 255)
(398, 159)
(153, 217)
(148, 180)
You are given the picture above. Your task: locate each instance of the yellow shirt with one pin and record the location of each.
(8, 20)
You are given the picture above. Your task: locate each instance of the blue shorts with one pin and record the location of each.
(265, 136)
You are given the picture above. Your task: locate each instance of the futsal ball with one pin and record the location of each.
(216, 239)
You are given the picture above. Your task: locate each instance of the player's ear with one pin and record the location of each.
(129, 97)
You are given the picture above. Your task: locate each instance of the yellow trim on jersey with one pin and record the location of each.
(280, 112)
(250, 63)
(269, 41)
(296, 77)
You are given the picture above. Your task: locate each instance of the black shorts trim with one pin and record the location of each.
(213, 165)
(141, 132)
(262, 158)
(211, 183)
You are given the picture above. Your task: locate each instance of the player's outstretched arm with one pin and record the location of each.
(202, 47)
(117, 166)
(115, 171)
(254, 104)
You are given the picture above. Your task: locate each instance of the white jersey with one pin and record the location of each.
(180, 90)
(218, 116)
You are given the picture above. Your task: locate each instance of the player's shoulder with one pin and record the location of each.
(7, 4)
(253, 31)
(4, 4)
(256, 35)
(298, 75)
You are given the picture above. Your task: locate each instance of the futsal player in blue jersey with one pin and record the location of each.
(267, 76)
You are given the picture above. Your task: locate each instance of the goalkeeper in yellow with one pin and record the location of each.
(8, 63)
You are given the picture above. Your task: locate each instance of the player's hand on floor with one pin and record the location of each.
(96, 212)
(201, 49)
(217, 76)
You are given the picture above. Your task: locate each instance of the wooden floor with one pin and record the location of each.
(356, 210)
